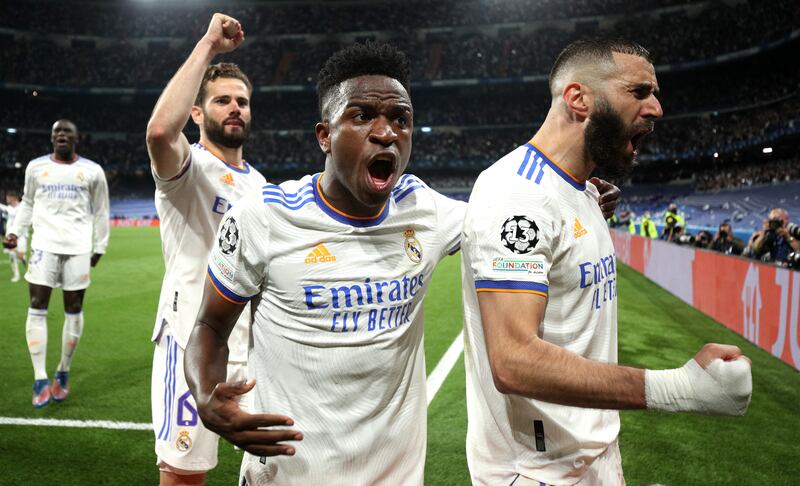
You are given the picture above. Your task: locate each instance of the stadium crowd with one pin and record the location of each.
(674, 37)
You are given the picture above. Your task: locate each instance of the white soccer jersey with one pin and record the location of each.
(11, 212)
(67, 202)
(338, 328)
(532, 227)
(190, 206)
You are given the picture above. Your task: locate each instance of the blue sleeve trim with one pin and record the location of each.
(511, 285)
(225, 291)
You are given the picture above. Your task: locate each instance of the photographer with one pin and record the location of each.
(777, 239)
(674, 224)
(725, 242)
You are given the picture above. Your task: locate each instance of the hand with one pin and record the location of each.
(712, 351)
(95, 258)
(221, 414)
(224, 33)
(783, 232)
(609, 196)
(10, 241)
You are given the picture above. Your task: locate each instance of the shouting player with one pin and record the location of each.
(339, 263)
(66, 201)
(195, 186)
(539, 285)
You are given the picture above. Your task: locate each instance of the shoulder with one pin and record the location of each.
(291, 195)
(40, 161)
(83, 162)
(407, 185)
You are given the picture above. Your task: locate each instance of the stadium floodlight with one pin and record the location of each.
(767, 150)
(17, 165)
(425, 129)
(716, 155)
(11, 130)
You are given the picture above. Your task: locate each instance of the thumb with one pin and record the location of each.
(235, 388)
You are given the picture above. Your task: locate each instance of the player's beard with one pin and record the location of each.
(216, 133)
(606, 141)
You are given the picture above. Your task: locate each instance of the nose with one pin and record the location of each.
(382, 132)
(652, 108)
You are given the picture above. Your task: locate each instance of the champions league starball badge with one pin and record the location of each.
(229, 237)
(413, 246)
(519, 234)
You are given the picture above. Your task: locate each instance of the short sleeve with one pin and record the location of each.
(237, 263)
(510, 241)
(450, 216)
(183, 177)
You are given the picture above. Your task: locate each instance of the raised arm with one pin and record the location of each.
(205, 364)
(716, 382)
(166, 143)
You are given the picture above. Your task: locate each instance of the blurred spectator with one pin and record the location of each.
(725, 242)
(648, 227)
(674, 224)
(774, 243)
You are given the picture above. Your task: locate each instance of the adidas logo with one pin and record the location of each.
(227, 179)
(578, 229)
(320, 254)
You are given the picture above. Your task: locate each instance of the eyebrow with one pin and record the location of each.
(646, 85)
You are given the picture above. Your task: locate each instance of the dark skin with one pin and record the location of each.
(64, 137)
(368, 122)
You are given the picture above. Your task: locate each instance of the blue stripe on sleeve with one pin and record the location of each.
(511, 285)
(225, 291)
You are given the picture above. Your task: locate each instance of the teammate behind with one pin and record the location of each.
(195, 186)
(539, 287)
(16, 255)
(66, 201)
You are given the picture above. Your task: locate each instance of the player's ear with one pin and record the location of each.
(197, 115)
(575, 97)
(323, 133)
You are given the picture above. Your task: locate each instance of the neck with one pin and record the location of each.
(64, 157)
(562, 140)
(231, 156)
(341, 199)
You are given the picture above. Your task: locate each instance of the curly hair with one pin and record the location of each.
(360, 60)
(221, 70)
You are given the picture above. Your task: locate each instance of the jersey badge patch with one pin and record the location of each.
(413, 246)
(183, 443)
(529, 266)
(578, 229)
(228, 179)
(81, 177)
(320, 254)
(229, 237)
(519, 234)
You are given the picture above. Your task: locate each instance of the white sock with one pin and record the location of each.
(36, 334)
(12, 257)
(70, 337)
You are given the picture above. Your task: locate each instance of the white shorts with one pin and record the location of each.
(183, 444)
(70, 272)
(606, 470)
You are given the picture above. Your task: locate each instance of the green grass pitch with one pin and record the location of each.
(111, 380)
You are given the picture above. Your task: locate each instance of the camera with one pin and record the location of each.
(794, 230)
(775, 223)
(686, 240)
(793, 260)
(670, 221)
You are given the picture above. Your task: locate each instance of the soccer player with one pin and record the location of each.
(17, 254)
(338, 263)
(66, 201)
(539, 287)
(195, 186)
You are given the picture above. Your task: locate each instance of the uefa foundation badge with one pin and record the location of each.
(413, 246)
(183, 442)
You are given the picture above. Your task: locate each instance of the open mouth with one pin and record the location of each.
(637, 139)
(381, 171)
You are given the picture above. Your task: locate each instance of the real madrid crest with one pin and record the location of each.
(183, 442)
(413, 246)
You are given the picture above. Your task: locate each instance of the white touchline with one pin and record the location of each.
(435, 380)
(83, 424)
(443, 367)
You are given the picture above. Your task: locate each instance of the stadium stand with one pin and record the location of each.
(479, 88)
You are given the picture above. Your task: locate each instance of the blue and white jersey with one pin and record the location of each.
(532, 227)
(339, 325)
(190, 206)
(67, 205)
